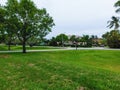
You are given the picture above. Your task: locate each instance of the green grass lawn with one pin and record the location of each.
(19, 47)
(61, 70)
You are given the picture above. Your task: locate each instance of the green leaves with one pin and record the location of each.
(26, 20)
(114, 22)
(62, 38)
(113, 38)
(117, 4)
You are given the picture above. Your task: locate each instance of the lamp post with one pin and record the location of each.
(75, 43)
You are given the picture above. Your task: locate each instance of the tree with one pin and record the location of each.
(6, 27)
(94, 39)
(2, 13)
(112, 38)
(114, 23)
(106, 35)
(86, 39)
(9, 31)
(28, 21)
(2, 19)
(53, 42)
(105, 38)
(33, 41)
(73, 38)
(117, 5)
(62, 38)
(2, 36)
(115, 20)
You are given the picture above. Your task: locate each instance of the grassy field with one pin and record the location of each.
(19, 47)
(61, 70)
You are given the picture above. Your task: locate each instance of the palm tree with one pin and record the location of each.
(117, 4)
(114, 23)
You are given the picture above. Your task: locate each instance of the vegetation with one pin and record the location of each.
(61, 39)
(88, 40)
(73, 40)
(22, 19)
(19, 47)
(61, 70)
(114, 23)
(113, 37)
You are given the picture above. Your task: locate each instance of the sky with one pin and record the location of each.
(78, 17)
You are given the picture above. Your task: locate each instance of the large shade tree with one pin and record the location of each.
(27, 20)
(6, 26)
(2, 19)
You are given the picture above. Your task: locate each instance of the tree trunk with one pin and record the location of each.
(9, 42)
(24, 39)
(9, 47)
(24, 46)
(76, 46)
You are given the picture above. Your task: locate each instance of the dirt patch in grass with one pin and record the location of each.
(81, 88)
(31, 64)
(4, 56)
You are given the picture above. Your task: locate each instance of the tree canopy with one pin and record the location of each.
(114, 22)
(113, 37)
(26, 21)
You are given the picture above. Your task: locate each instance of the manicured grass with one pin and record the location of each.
(19, 47)
(60, 70)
